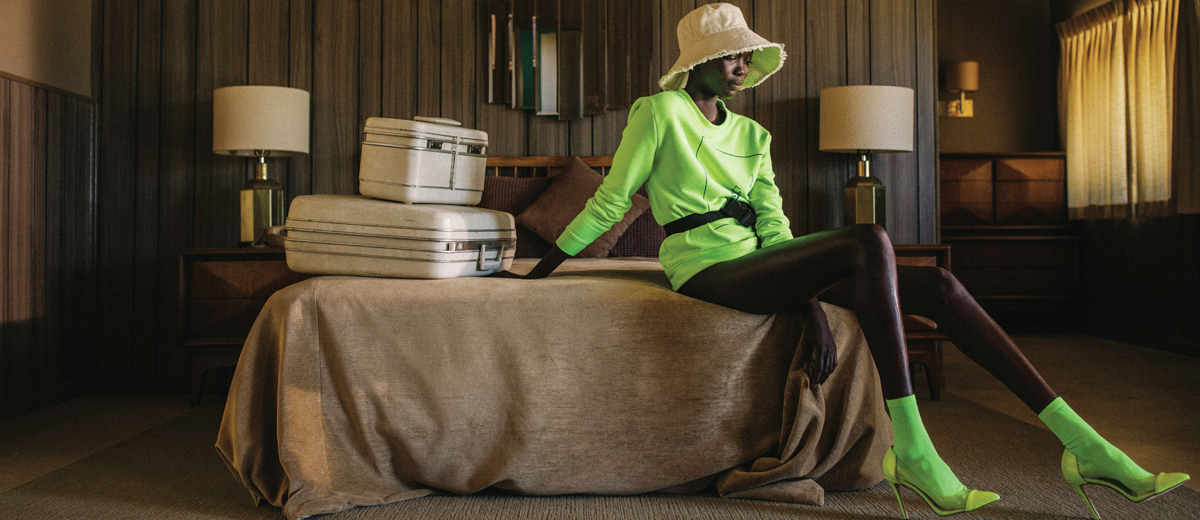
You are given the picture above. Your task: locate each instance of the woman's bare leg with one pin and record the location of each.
(782, 276)
(861, 260)
(936, 294)
(855, 267)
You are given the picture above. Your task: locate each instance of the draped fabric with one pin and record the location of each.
(1150, 75)
(1092, 112)
(1116, 95)
(600, 379)
(1185, 169)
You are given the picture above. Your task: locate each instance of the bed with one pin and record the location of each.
(597, 380)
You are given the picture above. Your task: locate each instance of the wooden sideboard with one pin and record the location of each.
(1006, 217)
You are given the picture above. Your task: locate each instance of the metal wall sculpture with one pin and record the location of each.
(567, 58)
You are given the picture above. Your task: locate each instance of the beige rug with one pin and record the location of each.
(173, 472)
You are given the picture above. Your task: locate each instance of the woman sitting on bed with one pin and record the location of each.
(708, 173)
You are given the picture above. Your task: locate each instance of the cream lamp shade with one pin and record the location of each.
(248, 120)
(962, 76)
(867, 118)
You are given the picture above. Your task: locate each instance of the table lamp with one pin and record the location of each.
(866, 119)
(260, 121)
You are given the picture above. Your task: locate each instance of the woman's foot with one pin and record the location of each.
(914, 463)
(1090, 459)
(944, 500)
(1078, 472)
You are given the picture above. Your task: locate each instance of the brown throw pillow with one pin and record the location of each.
(566, 198)
(512, 195)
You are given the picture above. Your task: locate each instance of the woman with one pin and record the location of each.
(708, 173)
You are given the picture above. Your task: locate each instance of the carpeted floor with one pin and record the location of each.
(172, 471)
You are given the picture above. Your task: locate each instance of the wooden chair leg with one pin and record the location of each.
(914, 369)
(933, 371)
(198, 371)
(928, 355)
(200, 368)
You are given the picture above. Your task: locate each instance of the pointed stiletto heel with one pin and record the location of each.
(1070, 471)
(1163, 482)
(903, 514)
(967, 500)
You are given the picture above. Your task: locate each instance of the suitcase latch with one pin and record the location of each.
(483, 265)
(433, 144)
(476, 149)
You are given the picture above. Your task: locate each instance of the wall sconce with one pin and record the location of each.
(260, 121)
(866, 119)
(961, 77)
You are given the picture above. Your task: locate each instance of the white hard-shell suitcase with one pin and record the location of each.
(429, 160)
(358, 236)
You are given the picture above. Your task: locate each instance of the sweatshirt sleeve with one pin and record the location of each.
(631, 167)
(772, 225)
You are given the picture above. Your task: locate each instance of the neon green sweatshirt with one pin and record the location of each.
(688, 165)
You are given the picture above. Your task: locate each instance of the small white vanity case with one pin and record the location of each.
(358, 236)
(429, 160)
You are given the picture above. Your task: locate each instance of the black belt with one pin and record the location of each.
(735, 209)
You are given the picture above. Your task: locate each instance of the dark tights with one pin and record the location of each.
(855, 267)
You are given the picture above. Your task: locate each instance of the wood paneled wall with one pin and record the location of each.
(47, 245)
(161, 190)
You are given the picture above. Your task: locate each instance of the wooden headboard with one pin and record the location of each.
(512, 166)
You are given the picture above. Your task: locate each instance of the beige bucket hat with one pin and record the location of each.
(717, 30)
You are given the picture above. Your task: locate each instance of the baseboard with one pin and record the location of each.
(1141, 339)
(13, 406)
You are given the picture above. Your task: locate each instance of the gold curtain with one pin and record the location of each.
(1186, 167)
(1150, 28)
(1116, 91)
(1092, 112)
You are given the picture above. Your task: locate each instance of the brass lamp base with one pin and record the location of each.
(262, 204)
(863, 201)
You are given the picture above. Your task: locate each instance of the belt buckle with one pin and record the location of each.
(748, 218)
(740, 211)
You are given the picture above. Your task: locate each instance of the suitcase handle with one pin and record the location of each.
(482, 265)
(438, 121)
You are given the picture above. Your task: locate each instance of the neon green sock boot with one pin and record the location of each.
(915, 450)
(1097, 457)
(912, 462)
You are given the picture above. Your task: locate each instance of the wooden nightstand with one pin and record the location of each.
(221, 292)
(924, 340)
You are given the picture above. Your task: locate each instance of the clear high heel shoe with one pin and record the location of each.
(1163, 482)
(967, 500)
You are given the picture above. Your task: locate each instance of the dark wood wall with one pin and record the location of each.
(161, 190)
(47, 245)
(1140, 281)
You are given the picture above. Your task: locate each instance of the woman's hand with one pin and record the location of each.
(823, 357)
